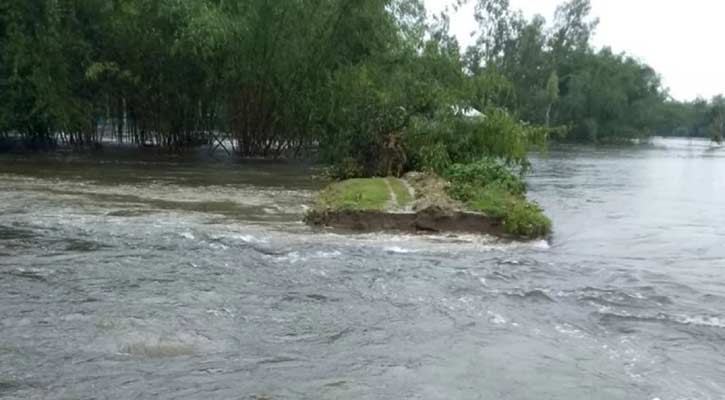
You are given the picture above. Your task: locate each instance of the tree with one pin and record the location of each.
(717, 119)
(552, 95)
(572, 30)
(596, 95)
(497, 25)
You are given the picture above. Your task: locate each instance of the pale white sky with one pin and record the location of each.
(682, 40)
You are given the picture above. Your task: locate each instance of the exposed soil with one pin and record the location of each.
(431, 219)
(431, 191)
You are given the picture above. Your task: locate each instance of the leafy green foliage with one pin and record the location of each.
(609, 97)
(372, 87)
(42, 91)
(559, 80)
(373, 81)
(526, 219)
(490, 187)
(698, 118)
(435, 144)
(466, 178)
(492, 200)
(177, 73)
(376, 108)
(717, 119)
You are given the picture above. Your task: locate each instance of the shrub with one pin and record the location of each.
(435, 142)
(525, 218)
(490, 187)
(468, 178)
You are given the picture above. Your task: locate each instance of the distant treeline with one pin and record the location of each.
(699, 118)
(370, 84)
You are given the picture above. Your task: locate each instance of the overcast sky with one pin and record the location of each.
(683, 40)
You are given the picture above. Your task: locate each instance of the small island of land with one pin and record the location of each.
(473, 198)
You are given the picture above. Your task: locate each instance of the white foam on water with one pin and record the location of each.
(250, 239)
(220, 313)
(399, 250)
(495, 318)
(714, 322)
(541, 244)
(295, 256)
(405, 243)
(187, 235)
(242, 237)
(569, 330)
(218, 246)
(327, 254)
(292, 258)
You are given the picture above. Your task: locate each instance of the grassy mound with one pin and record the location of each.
(364, 194)
(481, 197)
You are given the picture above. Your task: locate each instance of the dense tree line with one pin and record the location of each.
(698, 118)
(372, 86)
(175, 72)
(556, 78)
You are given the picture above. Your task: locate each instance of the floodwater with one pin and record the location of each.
(183, 279)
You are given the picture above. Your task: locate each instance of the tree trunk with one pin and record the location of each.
(548, 115)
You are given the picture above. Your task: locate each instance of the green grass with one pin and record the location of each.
(401, 191)
(363, 194)
(356, 194)
(492, 201)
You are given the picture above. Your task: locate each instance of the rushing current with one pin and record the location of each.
(131, 277)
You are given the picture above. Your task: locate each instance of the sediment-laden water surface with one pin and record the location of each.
(189, 279)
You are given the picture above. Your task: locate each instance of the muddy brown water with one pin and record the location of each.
(186, 278)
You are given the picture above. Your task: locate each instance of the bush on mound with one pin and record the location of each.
(489, 187)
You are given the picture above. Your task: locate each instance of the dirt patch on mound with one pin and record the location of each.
(431, 191)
